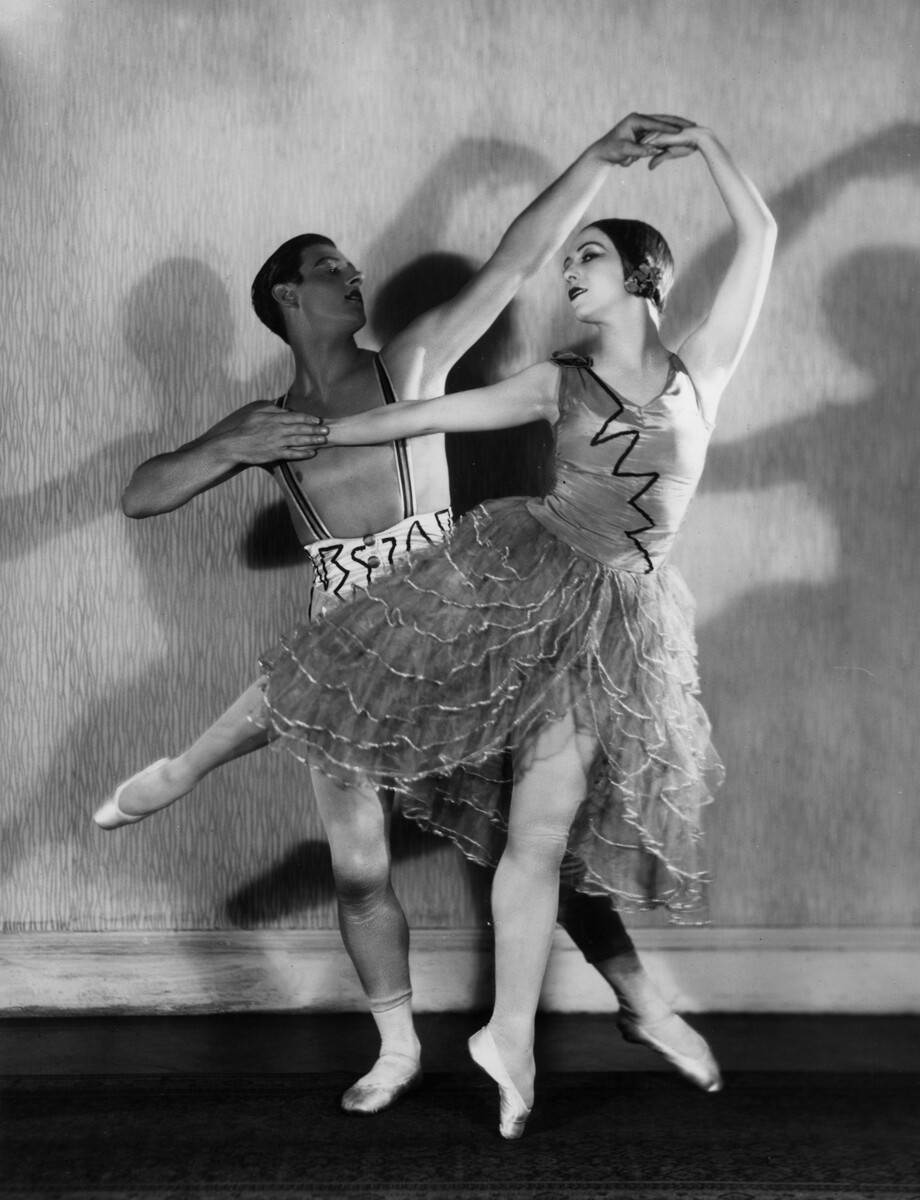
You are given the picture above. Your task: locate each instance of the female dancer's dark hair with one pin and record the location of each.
(640, 245)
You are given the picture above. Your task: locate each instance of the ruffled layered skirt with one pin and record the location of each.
(436, 681)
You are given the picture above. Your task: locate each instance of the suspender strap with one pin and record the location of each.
(404, 476)
(308, 513)
(400, 449)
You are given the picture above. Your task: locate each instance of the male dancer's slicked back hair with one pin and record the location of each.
(281, 267)
(638, 243)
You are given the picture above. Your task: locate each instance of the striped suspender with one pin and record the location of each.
(311, 517)
(400, 448)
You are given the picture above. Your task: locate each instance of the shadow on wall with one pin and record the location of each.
(830, 673)
(890, 153)
(808, 684)
(177, 325)
(473, 172)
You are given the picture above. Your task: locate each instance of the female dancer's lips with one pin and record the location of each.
(576, 291)
(355, 296)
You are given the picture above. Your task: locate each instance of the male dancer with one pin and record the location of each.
(357, 510)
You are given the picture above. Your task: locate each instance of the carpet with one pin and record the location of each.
(635, 1136)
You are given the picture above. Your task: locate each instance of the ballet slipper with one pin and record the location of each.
(513, 1112)
(678, 1043)
(109, 814)
(367, 1096)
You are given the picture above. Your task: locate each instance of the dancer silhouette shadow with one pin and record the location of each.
(839, 653)
(788, 668)
(177, 326)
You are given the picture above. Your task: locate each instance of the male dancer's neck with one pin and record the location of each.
(320, 363)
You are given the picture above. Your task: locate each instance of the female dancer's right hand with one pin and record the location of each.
(624, 143)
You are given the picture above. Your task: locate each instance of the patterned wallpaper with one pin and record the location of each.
(151, 157)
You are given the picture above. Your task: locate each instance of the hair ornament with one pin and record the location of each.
(644, 281)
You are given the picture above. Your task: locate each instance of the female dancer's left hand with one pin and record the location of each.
(627, 140)
(675, 145)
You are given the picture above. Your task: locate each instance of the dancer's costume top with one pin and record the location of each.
(436, 678)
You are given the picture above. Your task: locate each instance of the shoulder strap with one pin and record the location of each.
(404, 475)
(290, 484)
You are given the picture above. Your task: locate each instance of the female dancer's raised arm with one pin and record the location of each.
(714, 349)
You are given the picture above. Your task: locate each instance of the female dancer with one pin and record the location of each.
(554, 627)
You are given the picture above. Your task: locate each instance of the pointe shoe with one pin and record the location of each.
(365, 1099)
(513, 1112)
(110, 816)
(677, 1042)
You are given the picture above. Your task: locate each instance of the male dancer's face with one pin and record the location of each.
(329, 291)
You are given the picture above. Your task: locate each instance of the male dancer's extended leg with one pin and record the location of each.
(375, 933)
(237, 731)
(645, 1016)
(374, 928)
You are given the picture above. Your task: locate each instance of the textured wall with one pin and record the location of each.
(152, 154)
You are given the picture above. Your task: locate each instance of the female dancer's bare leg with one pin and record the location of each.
(550, 783)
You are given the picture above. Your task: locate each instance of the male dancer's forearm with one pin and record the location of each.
(166, 482)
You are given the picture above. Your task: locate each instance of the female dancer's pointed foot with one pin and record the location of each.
(391, 1076)
(110, 815)
(513, 1111)
(679, 1043)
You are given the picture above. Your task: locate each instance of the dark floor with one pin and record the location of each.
(247, 1108)
(293, 1044)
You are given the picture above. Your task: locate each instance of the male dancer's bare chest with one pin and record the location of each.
(354, 490)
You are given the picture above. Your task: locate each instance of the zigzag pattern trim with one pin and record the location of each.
(651, 477)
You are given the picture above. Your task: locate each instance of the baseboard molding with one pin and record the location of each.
(700, 970)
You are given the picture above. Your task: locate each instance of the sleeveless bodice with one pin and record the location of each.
(624, 474)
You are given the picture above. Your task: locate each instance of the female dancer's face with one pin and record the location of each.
(592, 273)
